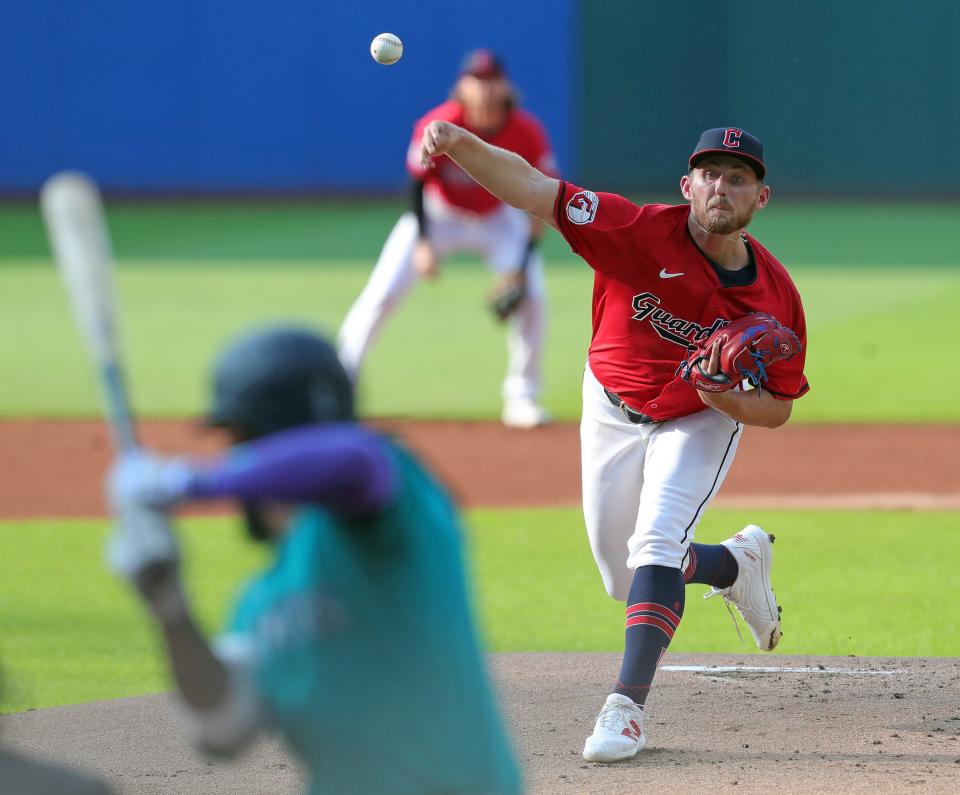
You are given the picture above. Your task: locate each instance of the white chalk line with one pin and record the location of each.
(773, 669)
(906, 501)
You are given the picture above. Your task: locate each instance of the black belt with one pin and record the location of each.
(636, 417)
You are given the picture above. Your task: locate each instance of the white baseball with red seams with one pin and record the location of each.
(386, 49)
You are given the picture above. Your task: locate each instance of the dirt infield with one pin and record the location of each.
(849, 725)
(54, 468)
(759, 724)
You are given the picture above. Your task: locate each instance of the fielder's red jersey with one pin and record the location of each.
(521, 133)
(655, 294)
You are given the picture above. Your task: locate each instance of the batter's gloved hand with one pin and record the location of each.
(143, 549)
(148, 479)
(743, 350)
(508, 294)
(141, 539)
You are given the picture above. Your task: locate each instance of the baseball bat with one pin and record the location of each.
(80, 241)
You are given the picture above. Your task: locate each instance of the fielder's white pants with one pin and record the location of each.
(645, 487)
(501, 238)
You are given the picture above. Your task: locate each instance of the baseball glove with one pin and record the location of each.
(507, 294)
(748, 346)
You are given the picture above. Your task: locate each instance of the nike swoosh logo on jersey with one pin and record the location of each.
(665, 275)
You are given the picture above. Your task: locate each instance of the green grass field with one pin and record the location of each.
(72, 633)
(878, 281)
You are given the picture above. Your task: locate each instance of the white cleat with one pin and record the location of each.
(524, 413)
(752, 593)
(618, 733)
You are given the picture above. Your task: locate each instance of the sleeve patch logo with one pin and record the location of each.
(582, 207)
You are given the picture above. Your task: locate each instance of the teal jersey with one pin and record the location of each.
(367, 659)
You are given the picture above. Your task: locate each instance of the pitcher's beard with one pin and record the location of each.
(721, 223)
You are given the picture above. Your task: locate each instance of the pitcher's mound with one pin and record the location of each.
(748, 723)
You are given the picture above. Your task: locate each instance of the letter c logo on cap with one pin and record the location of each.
(731, 138)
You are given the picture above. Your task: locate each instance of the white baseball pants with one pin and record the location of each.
(501, 238)
(645, 487)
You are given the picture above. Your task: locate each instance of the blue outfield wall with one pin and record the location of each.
(211, 96)
(219, 96)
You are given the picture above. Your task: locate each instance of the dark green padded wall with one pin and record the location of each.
(849, 97)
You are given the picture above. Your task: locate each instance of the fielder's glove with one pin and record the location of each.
(507, 294)
(748, 346)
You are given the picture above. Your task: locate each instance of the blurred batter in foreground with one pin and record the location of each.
(356, 643)
(451, 213)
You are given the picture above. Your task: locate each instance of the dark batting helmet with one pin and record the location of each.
(275, 378)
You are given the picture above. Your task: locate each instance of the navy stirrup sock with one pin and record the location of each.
(711, 564)
(654, 609)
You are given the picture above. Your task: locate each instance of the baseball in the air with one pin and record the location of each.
(386, 49)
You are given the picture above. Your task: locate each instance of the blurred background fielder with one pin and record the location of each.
(449, 213)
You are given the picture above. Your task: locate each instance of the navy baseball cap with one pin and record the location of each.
(731, 141)
(482, 63)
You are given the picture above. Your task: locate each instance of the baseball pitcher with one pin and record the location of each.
(697, 331)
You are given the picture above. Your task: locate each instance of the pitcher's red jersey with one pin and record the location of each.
(522, 133)
(655, 295)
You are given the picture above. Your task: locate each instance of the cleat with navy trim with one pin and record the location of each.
(618, 733)
(752, 593)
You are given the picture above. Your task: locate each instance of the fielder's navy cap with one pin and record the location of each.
(731, 141)
(482, 63)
